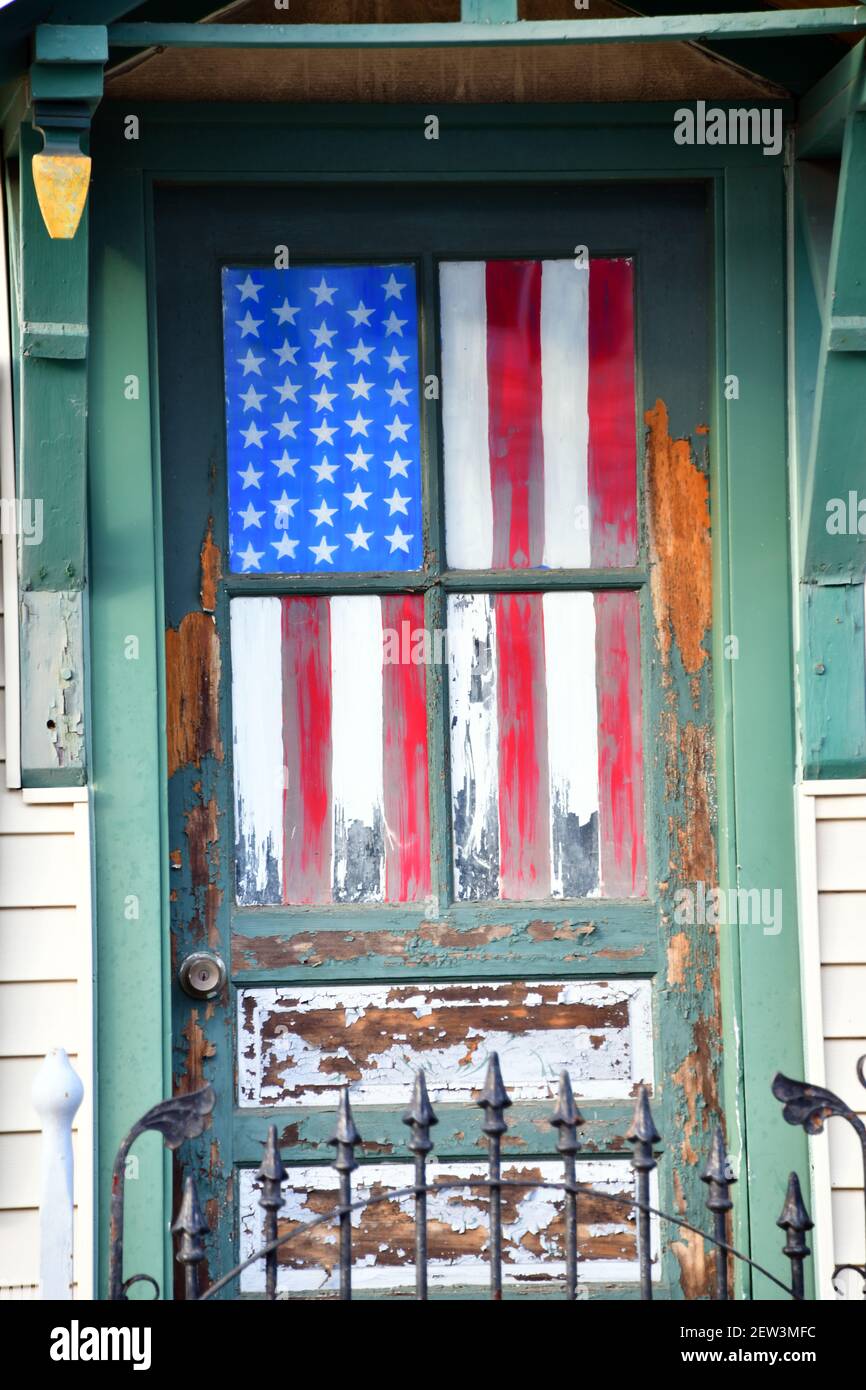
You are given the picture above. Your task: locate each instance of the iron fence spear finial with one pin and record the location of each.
(795, 1221)
(565, 1119)
(191, 1227)
(642, 1136)
(494, 1100)
(718, 1177)
(420, 1116)
(272, 1174)
(344, 1139)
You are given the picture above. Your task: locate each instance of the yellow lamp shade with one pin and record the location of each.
(61, 182)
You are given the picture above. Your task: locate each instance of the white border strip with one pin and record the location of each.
(8, 544)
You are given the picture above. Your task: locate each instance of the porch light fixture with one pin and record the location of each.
(61, 173)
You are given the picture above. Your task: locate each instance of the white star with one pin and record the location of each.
(285, 546)
(284, 507)
(249, 290)
(398, 540)
(251, 398)
(397, 503)
(392, 289)
(398, 430)
(357, 498)
(323, 291)
(398, 394)
(251, 517)
(250, 476)
(252, 435)
(398, 465)
(251, 363)
(284, 464)
(288, 391)
(323, 551)
(324, 471)
(286, 353)
(251, 557)
(323, 335)
(323, 513)
(360, 387)
(359, 537)
(359, 460)
(323, 398)
(286, 314)
(323, 366)
(324, 432)
(249, 325)
(359, 424)
(360, 316)
(396, 363)
(286, 427)
(394, 325)
(360, 352)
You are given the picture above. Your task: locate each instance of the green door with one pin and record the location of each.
(437, 603)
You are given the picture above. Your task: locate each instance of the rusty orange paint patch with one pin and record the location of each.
(199, 1049)
(680, 547)
(192, 676)
(695, 830)
(679, 959)
(211, 569)
(696, 1267)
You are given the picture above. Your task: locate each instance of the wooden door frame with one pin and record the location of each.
(754, 715)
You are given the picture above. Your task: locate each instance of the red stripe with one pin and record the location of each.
(404, 714)
(524, 809)
(307, 819)
(514, 412)
(622, 845)
(612, 429)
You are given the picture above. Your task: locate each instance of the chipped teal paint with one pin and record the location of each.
(247, 139)
(488, 11)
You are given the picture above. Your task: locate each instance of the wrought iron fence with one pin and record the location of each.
(184, 1117)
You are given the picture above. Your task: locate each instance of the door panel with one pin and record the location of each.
(413, 856)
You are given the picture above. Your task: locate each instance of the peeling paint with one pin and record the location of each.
(192, 675)
(211, 570)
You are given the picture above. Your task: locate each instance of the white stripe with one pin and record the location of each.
(468, 499)
(257, 712)
(572, 714)
(564, 412)
(474, 743)
(356, 728)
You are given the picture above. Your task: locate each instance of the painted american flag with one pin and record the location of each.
(538, 407)
(322, 419)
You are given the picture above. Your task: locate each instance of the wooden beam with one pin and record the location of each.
(488, 11)
(833, 681)
(825, 109)
(660, 29)
(832, 546)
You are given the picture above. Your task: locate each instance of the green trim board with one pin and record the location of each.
(756, 769)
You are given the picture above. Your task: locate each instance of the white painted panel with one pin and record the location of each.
(296, 1045)
(20, 1169)
(840, 808)
(842, 920)
(468, 497)
(474, 745)
(843, 991)
(382, 1235)
(37, 1017)
(841, 1055)
(257, 714)
(38, 943)
(841, 848)
(846, 1162)
(572, 741)
(20, 817)
(357, 771)
(19, 1248)
(33, 874)
(848, 1237)
(564, 412)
